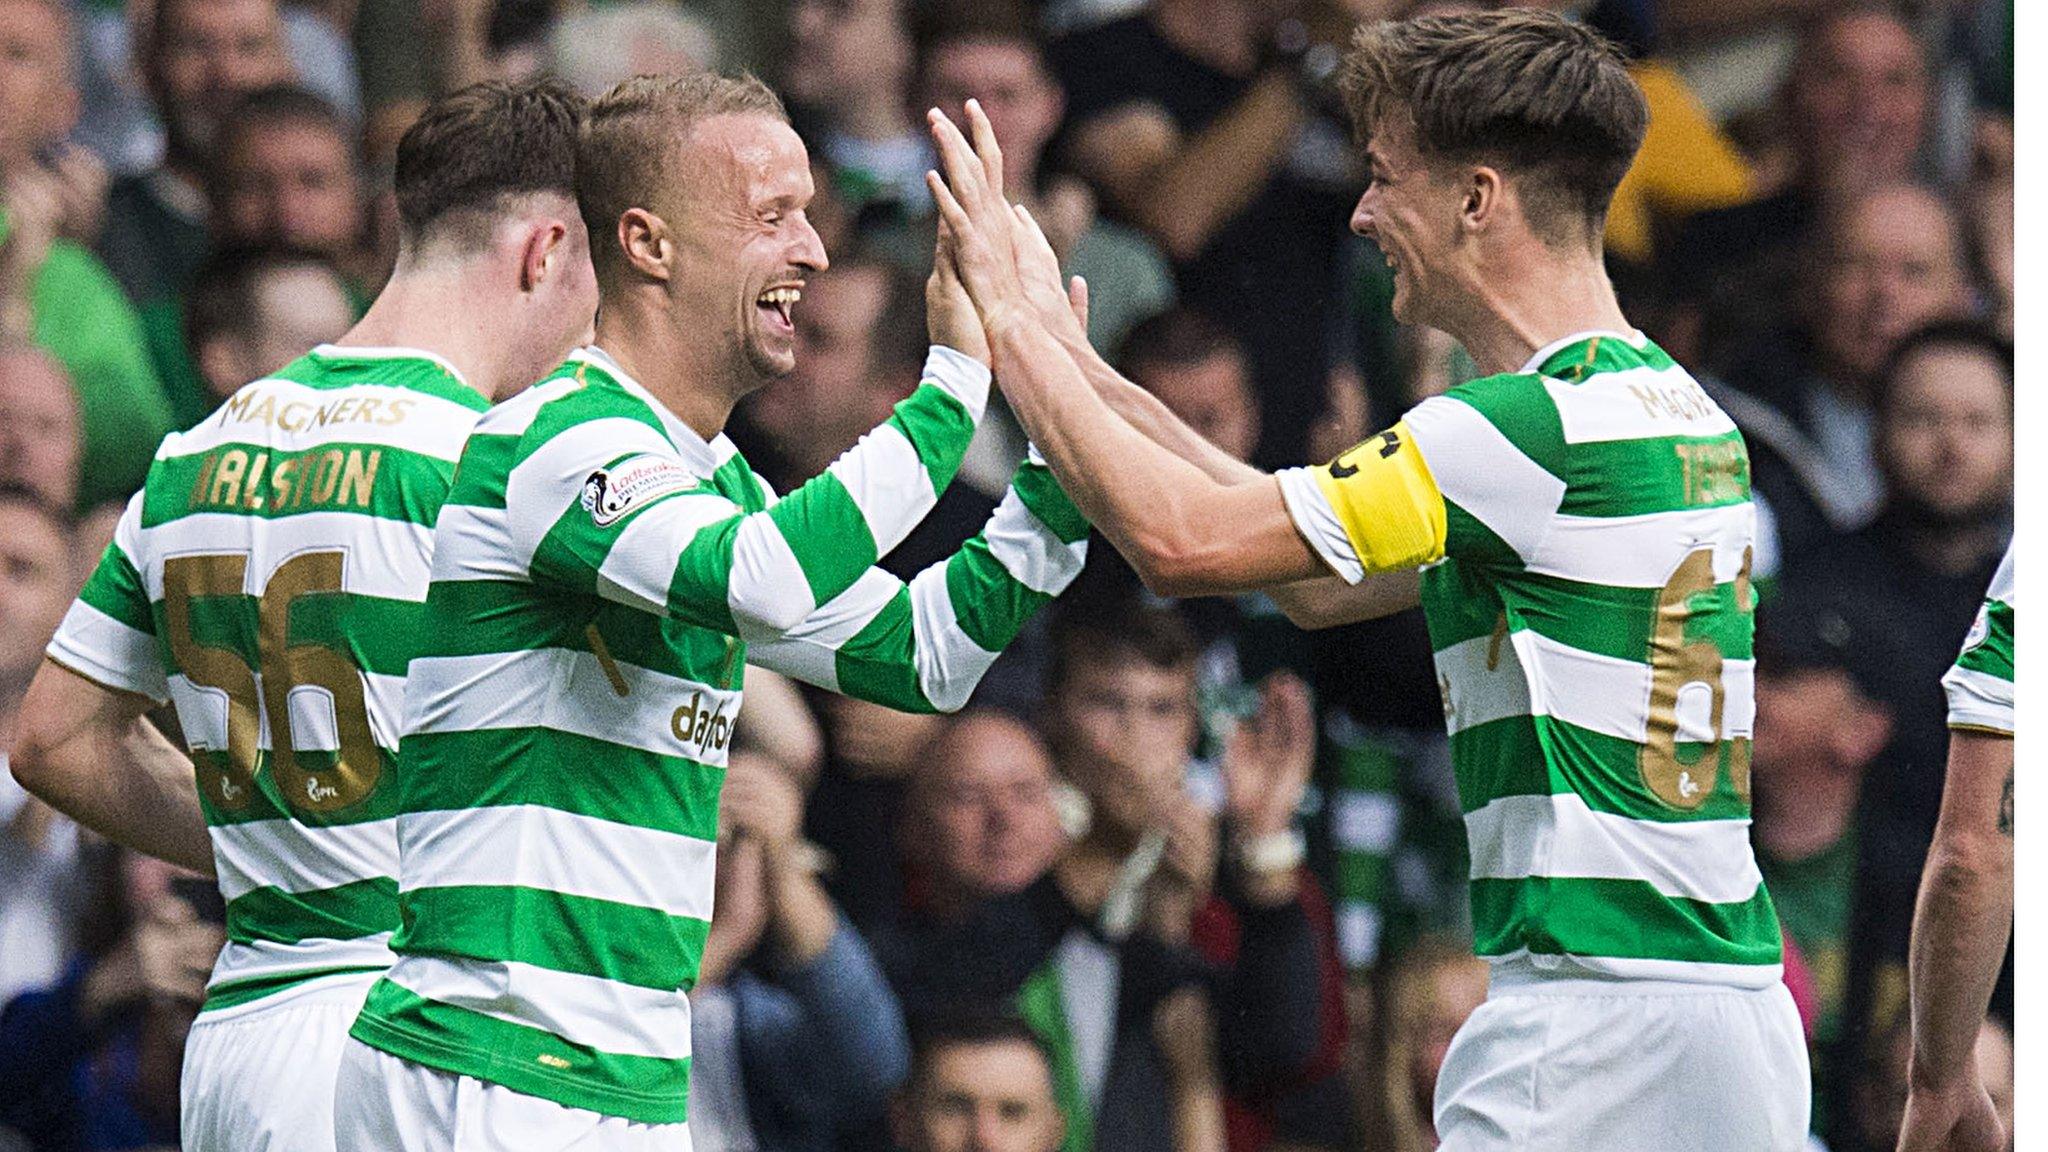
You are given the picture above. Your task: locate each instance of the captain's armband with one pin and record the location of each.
(1375, 508)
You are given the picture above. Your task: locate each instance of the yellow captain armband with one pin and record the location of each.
(1387, 501)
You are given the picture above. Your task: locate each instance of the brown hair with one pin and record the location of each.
(1547, 101)
(482, 144)
(472, 148)
(1119, 629)
(629, 141)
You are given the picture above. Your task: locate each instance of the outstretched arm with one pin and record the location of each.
(1960, 930)
(1188, 525)
(923, 647)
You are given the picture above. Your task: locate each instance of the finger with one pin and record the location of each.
(953, 219)
(985, 145)
(963, 168)
(1077, 298)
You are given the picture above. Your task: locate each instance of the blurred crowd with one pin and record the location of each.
(1183, 877)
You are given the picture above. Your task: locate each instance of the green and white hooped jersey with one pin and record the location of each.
(601, 575)
(1592, 624)
(270, 580)
(1980, 685)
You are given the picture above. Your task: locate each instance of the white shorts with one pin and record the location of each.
(385, 1104)
(1548, 1065)
(259, 1077)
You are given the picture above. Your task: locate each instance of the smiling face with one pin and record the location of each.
(742, 245)
(1410, 209)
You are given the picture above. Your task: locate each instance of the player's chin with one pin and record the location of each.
(773, 359)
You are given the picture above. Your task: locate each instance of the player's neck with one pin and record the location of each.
(691, 377)
(1511, 313)
(413, 312)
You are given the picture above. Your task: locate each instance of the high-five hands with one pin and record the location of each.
(975, 221)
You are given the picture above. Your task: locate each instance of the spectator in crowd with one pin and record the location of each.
(39, 108)
(1817, 732)
(92, 1062)
(52, 291)
(793, 1032)
(1436, 985)
(1886, 262)
(1206, 124)
(39, 849)
(39, 426)
(283, 175)
(978, 1084)
(1856, 111)
(847, 79)
(1907, 587)
(198, 57)
(988, 50)
(596, 48)
(980, 821)
(251, 311)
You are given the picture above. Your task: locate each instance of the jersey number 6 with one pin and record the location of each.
(229, 780)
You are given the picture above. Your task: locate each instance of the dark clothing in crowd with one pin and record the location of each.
(69, 1086)
(1273, 271)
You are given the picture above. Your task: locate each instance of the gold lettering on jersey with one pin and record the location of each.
(257, 406)
(239, 479)
(1686, 401)
(1715, 472)
(707, 728)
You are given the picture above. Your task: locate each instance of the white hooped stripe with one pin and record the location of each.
(962, 376)
(569, 691)
(1482, 681)
(767, 590)
(528, 846)
(1643, 551)
(550, 481)
(1029, 551)
(1481, 471)
(286, 417)
(641, 565)
(294, 857)
(515, 416)
(110, 652)
(949, 664)
(1978, 700)
(385, 558)
(621, 1019)
(1636, 404)
(266, 958)
(475, 543)
(888, 483)
(1558, 836)
(1522, 968)
(809, 651)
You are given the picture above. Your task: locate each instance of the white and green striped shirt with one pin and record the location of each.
(1980, 685)
(270, 580)
(1592, 624)
(601, 575)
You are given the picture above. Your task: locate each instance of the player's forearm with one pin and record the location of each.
(1184, 532)
(1150, 415)
(1964, 916)
(924, 647)
(1217, 171)
(114, 774)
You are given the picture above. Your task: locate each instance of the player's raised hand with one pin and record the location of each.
(950, 318)
(1038, 269)
(974, 213)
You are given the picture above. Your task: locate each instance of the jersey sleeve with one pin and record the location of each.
(607, 505)
(923, 647)
(109, 634)
(1979, 686)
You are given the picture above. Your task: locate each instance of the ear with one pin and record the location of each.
(1485, 198)
(538, 256)
(644, 238)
